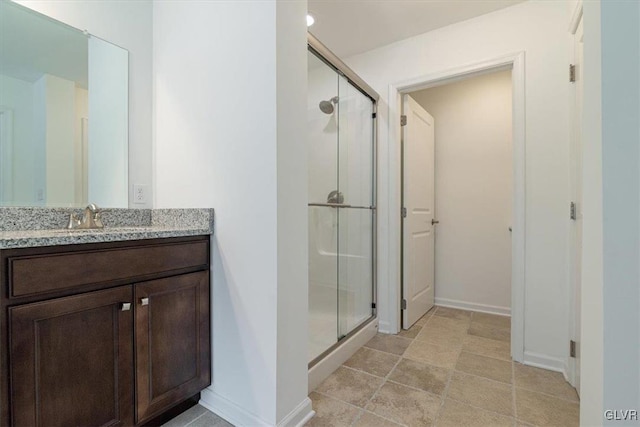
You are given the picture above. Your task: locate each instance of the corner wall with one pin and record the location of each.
(230, 117)
(540, 30)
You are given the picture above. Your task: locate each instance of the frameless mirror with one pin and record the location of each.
(63, 114)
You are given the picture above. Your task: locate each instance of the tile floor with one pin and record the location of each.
(197, 416)
(452, 368)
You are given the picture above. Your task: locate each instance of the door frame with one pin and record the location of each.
(574, 327)
(515, 62)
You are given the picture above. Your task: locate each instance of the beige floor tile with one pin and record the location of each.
(331, 412)
(439, 335)
(482, 393)
(422, 351)
(487, 367)
(419, 375)
(209, 419)
(543, 410)
(458, 414)
(426, 316)
(374, 362)
(389, 343)
(487, 347)
(491, 320)
(406, 405)
(453, 313)
(367, 419)
(491, 332)
(350, 386)
(544, 381)
(411, 332)
(457, 325)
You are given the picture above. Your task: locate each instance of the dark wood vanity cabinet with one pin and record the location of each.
(115, 352)
(172, 341)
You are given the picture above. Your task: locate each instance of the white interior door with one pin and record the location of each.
(576, 154)
(418, 240)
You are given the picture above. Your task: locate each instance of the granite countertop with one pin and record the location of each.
(33, 227)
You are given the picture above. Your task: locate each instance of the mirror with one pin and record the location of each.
(63, 114)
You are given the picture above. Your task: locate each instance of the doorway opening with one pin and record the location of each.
(457, 171)
(472, 248)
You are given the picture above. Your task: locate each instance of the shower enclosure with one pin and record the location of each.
(342, 215)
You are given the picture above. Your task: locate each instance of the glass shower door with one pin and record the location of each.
(323, 219)
(341, 200)
(355, 183)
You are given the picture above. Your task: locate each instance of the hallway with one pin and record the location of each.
(453, 368)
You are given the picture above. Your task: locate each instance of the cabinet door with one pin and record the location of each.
(71, 360)
(173, 349)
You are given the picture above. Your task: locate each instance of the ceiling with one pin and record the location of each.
(348, 27)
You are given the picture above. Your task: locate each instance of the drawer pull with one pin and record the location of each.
(125, 306)
(144, 301)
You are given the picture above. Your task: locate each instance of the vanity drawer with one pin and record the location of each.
(57, 270)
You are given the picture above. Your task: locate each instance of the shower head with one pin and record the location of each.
(327, 106)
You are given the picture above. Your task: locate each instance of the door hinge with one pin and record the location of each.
(404, 304)
(572, 211)
(373, 305)
(404, 212)
(374, 115)
(572, 348)
(572, 73)
(403, 120)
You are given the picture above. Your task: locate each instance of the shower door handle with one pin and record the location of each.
(341, 205)
(330, 205)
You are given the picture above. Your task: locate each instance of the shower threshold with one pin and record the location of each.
(331, 359)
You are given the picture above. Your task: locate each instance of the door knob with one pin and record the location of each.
(434, 222)
(125, 306)
(144, 301)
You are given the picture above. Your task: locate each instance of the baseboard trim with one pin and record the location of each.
(546, 362)
(228, 410)
(383, 327)
(472, 306)
(299, 416)
(238, 416)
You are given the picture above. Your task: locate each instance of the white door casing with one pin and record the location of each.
(576, 195)
(418, 195)
(389, 241)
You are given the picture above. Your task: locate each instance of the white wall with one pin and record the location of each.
(127, 24)
(473, 191)
(539, 29)
(620, 50)
(230, 134)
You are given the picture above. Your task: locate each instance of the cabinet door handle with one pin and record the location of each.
(144, 301)
(125, 306)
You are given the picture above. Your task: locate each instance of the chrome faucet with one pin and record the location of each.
(90, 218)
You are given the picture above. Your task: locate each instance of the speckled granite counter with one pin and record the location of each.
(31, 227)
